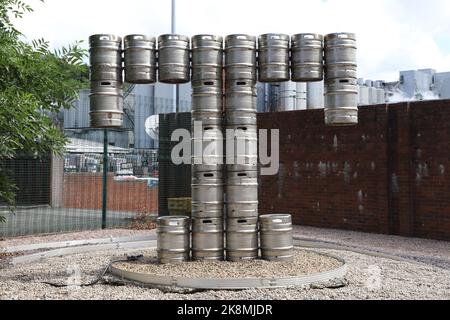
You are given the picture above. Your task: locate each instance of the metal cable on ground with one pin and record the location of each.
(99, 277)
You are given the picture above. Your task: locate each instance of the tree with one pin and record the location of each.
(34, 82)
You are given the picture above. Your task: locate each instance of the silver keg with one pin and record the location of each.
(341, 102)
(207, 98)
(340, 56)
(207, 193)
(242, 194)
(242, 239)
(307, 57)
(207, 57)
(240, 98)
(105, 57)
(207, 148)
(174, 59)
(273, 57)
(275, 231)
(207, 239)
(241, 147)
(106, 104)
(140, 59)
(240, 57)
(173, 239)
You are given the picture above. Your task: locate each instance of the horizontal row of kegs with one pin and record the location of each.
(181, 239)
(168, 59)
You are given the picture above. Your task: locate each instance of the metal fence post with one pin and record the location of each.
(105, 177)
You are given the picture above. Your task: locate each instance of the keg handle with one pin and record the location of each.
(208, 175)
(138, 37)
(241, 37)
(241, 83)
(104, 38)
(242, 128)
(173, 223)
(242, 221)
(275, 37)
(343, 36)
(277, 221)
(208, 83)
(207, 38)
(173, 37)
(308, 36)
(207, 221)
(105, 83)
(242, 174)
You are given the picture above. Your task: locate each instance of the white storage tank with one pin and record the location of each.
(315, 95)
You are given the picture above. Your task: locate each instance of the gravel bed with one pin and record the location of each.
(305, 263)
(427, 251)
(368, 277)
(83, 235)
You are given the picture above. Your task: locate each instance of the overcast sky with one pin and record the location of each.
(393, 35)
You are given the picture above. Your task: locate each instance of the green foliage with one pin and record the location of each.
(35, 82)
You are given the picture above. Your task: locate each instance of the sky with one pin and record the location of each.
(393, 35)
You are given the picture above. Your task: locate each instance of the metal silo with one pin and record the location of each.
(364, 98)
(315, 95)
(287, 96)
(273, 57)
(301, 96)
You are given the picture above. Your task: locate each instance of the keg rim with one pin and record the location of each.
(200, 37)
(97, 37)
(336, 36)
(145, 37)
(266, 37)
(275, 215)
(299, 37)
(169, 36)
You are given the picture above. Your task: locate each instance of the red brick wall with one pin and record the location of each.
(84, 191)
(390, 174)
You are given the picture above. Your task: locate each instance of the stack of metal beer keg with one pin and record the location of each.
(106, 98)
(241, 169)
(341, 93)
(276, 240)
(278, 58)
(207, 143)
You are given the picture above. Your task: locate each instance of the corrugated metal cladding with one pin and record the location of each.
(32, 178)
(174, 181)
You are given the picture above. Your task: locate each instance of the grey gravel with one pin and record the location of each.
(304, 263)
(368, 277)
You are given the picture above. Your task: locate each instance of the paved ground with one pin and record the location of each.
(369, 277)
(50, 220)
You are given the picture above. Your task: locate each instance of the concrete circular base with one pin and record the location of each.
(211, 283)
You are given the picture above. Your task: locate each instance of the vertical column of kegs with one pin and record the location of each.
(341, 93)
(207, 147)
(106, 98)
(241, 151)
